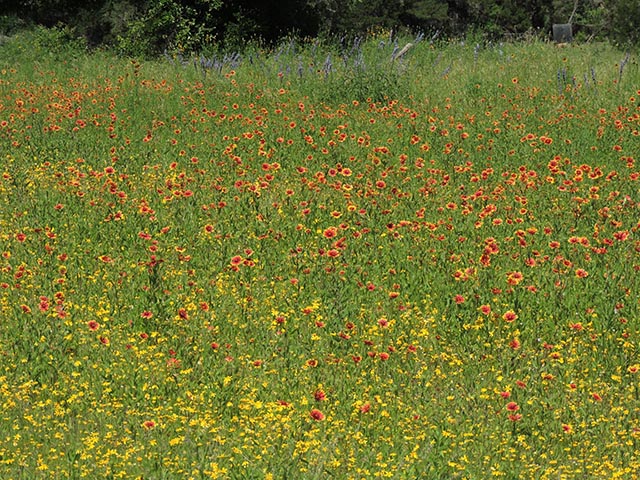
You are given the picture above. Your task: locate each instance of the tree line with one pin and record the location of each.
(149, 27)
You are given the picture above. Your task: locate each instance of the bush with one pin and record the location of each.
(168, 25)
(10, 24)
(60, 41)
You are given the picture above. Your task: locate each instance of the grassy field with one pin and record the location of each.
(320, 262)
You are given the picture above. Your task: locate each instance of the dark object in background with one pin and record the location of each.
(562, 33)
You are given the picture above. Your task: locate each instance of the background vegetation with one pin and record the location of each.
(146, 28)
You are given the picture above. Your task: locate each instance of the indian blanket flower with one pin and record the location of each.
(512, 407)
(149, 424)
(514, 278)
(330, 232)
(317, 415)
(581, 273)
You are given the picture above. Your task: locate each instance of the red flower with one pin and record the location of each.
(459, 299)
(509, 316)
(93, 325)
(319, 395)
(513, 407)
(330, 232)
(514, 278)
(581, 273)
(149, 424)
(317, 415)
(173, 363)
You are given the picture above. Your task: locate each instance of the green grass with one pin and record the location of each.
(439, 254)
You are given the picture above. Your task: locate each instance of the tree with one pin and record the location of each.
(623, 21)
(360, 16)
(426, 15)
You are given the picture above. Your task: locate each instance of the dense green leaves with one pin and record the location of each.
(147, 28)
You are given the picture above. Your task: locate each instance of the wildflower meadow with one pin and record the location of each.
(320, 261)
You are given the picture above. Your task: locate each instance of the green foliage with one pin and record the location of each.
(241, 29)
(11, 23)
(624, 18)
(426, 14)
(377, 84)
(507, 18)
(169, 25)
(147, 28)
(60, 41)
